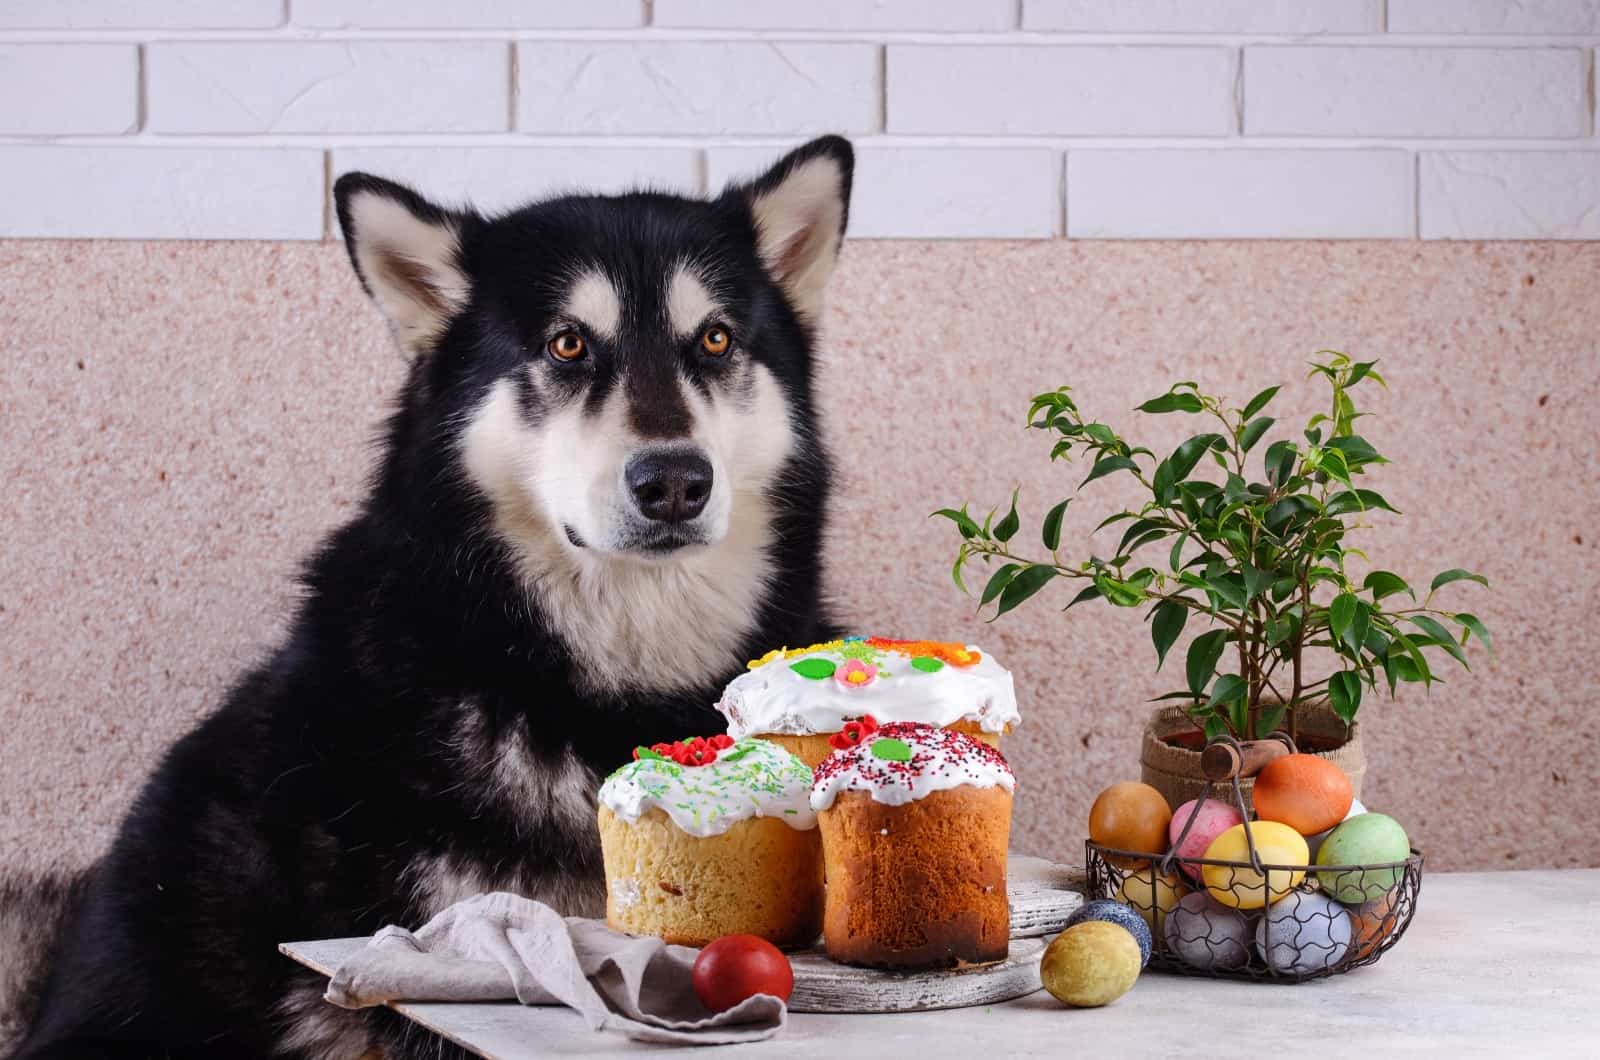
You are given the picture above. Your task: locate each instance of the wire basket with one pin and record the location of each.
(1319, 920)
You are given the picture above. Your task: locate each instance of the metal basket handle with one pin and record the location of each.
(1226, 760)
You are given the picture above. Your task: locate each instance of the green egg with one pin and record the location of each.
(1366, 839)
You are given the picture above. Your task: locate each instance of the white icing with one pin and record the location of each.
(774, 698)
(941, 759)
(753, 778)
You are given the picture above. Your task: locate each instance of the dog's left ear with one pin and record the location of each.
(407, 252)
(800, 207)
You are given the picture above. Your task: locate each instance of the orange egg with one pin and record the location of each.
(1374, 922)
(1307, 793)
(1130, 816)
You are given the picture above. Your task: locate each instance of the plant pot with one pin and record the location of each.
(1175, 770)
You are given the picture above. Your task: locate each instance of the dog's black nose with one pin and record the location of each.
(670, 486)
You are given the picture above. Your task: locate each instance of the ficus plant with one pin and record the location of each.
(1254, 551)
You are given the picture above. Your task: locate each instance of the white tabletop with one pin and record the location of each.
(1495, 964)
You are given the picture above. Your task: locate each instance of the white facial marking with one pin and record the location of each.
(623, 617)
(593, 301)
(689, 304)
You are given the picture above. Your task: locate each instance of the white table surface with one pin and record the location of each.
(1495, 964)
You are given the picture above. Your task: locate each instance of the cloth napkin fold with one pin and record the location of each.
(495, 947)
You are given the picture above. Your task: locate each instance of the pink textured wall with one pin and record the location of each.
(180, 422)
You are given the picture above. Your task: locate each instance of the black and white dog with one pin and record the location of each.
(603, 490)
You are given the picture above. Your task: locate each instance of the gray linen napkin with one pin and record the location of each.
(499, 946)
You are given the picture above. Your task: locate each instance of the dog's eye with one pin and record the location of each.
(567, 346)
(716, 340)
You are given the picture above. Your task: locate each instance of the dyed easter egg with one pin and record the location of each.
(1307, 793)
(1371, 838)
(1130, 816)
(1214, 818)
(1090, 964)
(1152, 895)
(1374, 922)
(1306, 932)
(1242, 886)
(1315, 841)
(1208, 936)
(1116, 913)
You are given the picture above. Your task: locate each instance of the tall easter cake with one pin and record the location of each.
(705, 838)
(803, 698)
(915, 823)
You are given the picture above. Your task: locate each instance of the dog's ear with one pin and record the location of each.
(407, 252)
(800, 207)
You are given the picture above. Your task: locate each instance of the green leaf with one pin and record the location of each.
(1120, 593)
(1090, 592)
(1441, 636)
(1344, 694)
(955, 570)
(645, 754)
(1475, 628)
(1342, 616)
(1268, 720)
(1456, 574)
(927, 664)
(814, 669)
(1172, 403)
(1106, 465)
(1214, 727)
(1347, 501)
(1052, 525)
(1357, 451)
(1383, 583)
(962, 520)
(1360, 372)
(1228, 688)
(1165, 626)
(1177, 551)
(1024, 585)
(1007, 527)
(1228, 586)
(1253, 431)
(890, 749)
(1280, 462)
(1257, 403)
(1201, 663)
(1187, 455)
(1254, 581)
(998, 581)
(1162, 481)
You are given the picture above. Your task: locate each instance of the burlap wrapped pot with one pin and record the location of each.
(1175, 771)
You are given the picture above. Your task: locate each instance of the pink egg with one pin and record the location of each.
(1214, 818)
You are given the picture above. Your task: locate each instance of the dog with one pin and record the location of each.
(602, 490)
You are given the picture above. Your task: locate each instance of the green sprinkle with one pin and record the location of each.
(927, 664)
(814, 669)
(891, 750)
(644, 753)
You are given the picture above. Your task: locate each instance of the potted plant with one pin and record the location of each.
(1256, 559)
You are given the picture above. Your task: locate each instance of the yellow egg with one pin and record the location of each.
(1245, 888)
(1090, 964)
(1152, 895)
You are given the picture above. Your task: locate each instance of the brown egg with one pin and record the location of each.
(1130, 816)
(1307, 793)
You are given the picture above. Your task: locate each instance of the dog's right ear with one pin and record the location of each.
(407, 252)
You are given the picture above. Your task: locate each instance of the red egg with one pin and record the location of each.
(735, 967)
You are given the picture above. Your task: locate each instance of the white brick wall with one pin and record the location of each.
(1016, 119)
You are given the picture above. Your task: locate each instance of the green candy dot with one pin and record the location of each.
(891, 750)
(815, 669)
(927, 664)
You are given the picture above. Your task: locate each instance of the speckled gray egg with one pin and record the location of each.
(1116, 913)
(1204, 934)
(1304, 932)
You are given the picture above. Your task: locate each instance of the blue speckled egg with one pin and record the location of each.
(1304, 932)
(1204, 934)
(1124, 916)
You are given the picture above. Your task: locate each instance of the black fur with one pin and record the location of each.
(294, 811)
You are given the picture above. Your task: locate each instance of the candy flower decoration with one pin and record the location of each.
(853, 732)
(696, 751)
(856, 674)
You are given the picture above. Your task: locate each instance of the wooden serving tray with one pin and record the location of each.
(1042, 896)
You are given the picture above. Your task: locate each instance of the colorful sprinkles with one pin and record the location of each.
(871, 650)
(705, 785)
(905, 761)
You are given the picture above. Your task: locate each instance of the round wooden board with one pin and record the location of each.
(1041, 895)
(820, 985)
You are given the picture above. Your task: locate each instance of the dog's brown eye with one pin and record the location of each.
(716, 340)
(567, 346)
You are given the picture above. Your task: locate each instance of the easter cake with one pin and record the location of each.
(915, 821)
(711, 837)
(812, 700)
